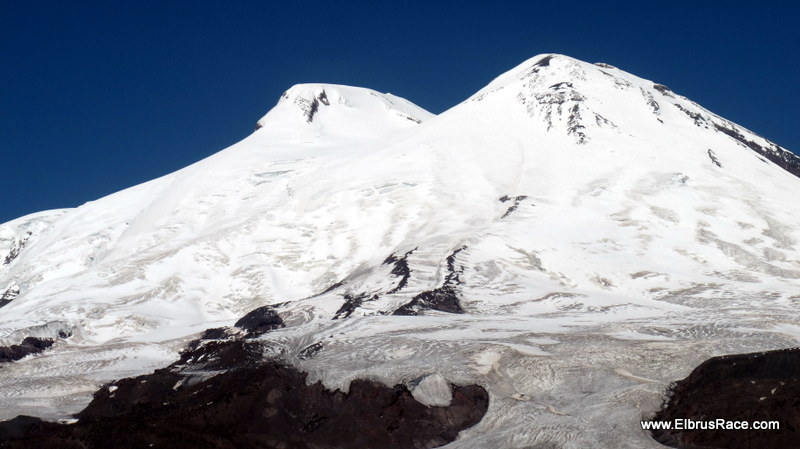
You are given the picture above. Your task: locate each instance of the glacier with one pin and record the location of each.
(572, 238)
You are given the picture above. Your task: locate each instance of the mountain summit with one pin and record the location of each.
(571, 237)
(331, 110)
(567, 95)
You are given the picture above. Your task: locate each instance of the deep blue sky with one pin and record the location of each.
(97, 97)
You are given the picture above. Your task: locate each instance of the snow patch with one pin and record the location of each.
(432, 390)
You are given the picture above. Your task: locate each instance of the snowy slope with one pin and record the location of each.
(598, 233)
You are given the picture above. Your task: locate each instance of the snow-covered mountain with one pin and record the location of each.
(571, 237)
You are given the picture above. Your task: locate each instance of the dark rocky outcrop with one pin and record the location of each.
(216, 333)
(544, 62)
(331, 288)
(260, 320)
(16, 247)
(666, 91)
(309, 351)
(574, 124)
(224, 394)
(775, 153)
(714, 159)
(313, 106)
(400, 269)
(30, 345)
(351, 303)
(762, 386)
(778, 155)
(697, 118)
(651, 102)
(444, 298)
(604, 65)
(11, 292)
(517, 199)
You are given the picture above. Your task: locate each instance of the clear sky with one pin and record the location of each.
(98, 96)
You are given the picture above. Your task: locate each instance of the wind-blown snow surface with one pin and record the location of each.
(603, 236)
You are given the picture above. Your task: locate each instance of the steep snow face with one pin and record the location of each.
(14, 236)
(572, 237)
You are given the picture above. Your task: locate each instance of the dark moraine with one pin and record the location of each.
(30, 345)
(223, 394)
(259, 321)
(762, 386)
